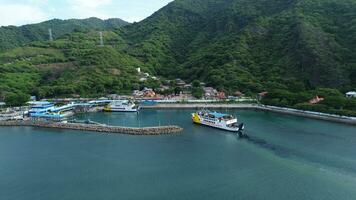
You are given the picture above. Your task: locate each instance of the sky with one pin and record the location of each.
(20, 12)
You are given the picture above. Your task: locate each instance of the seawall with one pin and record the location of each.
(310, 114)
(162, 130)
(301, 113)
(199, 106)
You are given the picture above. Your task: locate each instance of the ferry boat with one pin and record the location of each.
(122, 106)
(217, 120)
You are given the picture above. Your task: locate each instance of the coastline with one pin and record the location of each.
(288, 111)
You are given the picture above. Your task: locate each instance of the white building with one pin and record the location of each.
(351, 94)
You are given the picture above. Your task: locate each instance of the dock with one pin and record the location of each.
(161, 130)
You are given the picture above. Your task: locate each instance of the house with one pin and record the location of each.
(351, 94)
(163, 88)
(238, 94)
(148, 92)
(221, 95)
(180, 82)
(113, 96)
(187, 86)
(143, 79)
(209, 92)
(262, 94)
(316, 100)
(137, 93)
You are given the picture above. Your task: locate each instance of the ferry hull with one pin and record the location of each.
(198, 120)
(120, 110)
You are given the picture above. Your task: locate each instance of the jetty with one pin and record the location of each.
(161, 130)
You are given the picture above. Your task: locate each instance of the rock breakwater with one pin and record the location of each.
(162, 130)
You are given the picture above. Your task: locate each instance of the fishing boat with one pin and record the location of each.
(217, 120)
(121, 106)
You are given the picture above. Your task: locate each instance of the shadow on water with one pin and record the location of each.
(289, 153)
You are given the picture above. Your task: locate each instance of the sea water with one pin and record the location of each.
(282, 157)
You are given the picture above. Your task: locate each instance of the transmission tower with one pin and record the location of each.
(101, 38)
(50, 34)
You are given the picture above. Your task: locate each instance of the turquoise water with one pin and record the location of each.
(284, 157)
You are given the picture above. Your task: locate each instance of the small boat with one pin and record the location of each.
(217, 120)
(121, 106)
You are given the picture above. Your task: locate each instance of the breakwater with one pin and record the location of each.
(162, 130)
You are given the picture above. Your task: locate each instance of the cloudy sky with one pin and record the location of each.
(20, 12)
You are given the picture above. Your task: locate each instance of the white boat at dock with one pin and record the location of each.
(122, 106)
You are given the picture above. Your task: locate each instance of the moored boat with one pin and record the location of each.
(217, 120)
(121, 106)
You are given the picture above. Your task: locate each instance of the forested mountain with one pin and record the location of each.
(12, 36)
(291, 48)
(251, 45)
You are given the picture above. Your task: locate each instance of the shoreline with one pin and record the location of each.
(281, 110)
(162, 130)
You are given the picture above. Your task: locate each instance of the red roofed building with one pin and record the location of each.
(221, 95)
(316, 100)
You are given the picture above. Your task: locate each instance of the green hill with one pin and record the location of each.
(251, 45)
(292, 48)
(12, 36)
(71, 65)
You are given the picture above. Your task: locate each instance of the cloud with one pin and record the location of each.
(18, 14)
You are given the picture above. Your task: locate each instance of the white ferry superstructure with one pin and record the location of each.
(122, 106)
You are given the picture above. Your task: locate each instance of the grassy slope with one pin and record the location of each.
(11, 36)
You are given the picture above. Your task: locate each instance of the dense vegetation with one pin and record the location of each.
(251, 45)
(293, 49)
(73, 65)
(334, 102)
(12, 36)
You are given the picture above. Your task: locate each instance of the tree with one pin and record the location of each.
(195, 84)
(177, 90)
(197, 90)
(16, 99)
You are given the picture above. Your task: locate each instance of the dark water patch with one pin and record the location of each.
(289, 153)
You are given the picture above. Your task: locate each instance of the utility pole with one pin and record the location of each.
(50, 34)
(101, 39)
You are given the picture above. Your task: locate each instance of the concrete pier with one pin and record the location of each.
(162, 130)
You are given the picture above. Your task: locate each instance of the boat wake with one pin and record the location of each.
(342, 166)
